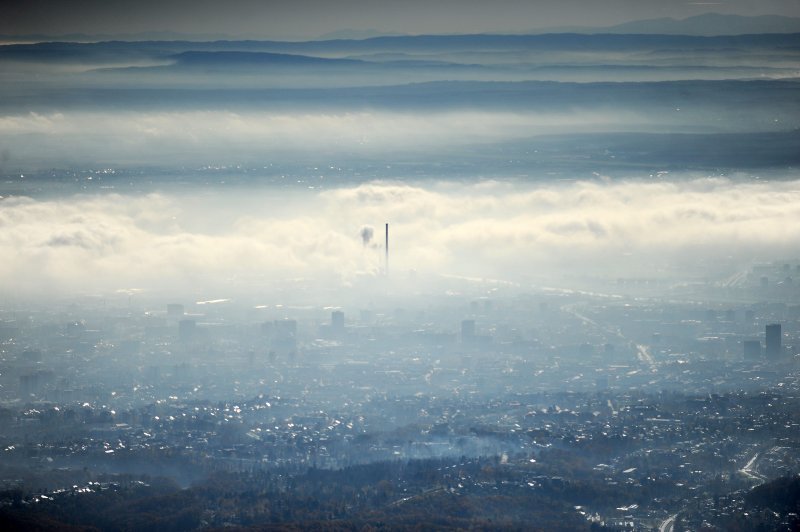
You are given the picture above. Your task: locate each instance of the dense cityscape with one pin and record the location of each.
(578, 409)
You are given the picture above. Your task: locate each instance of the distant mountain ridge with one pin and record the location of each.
(227, 58)
(104, 37)
(707, 24)
(348, 34)
(414, 43)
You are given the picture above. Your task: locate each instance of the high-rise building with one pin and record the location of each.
(286, 328)
(751, 349)
(187, 330)
(284, 338)
(467, 330)
(773, 340)
(337, 320)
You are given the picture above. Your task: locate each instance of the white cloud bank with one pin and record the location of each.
(166, 241)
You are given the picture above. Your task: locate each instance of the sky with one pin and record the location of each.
(312, 18)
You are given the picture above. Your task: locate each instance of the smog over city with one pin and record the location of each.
(350, 265)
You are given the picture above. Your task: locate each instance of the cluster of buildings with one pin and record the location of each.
(665, 397)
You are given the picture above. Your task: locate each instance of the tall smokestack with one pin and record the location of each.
(387, 250)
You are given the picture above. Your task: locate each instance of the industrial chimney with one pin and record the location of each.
(386, 270)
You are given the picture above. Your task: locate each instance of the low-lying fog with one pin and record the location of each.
(220, 242)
